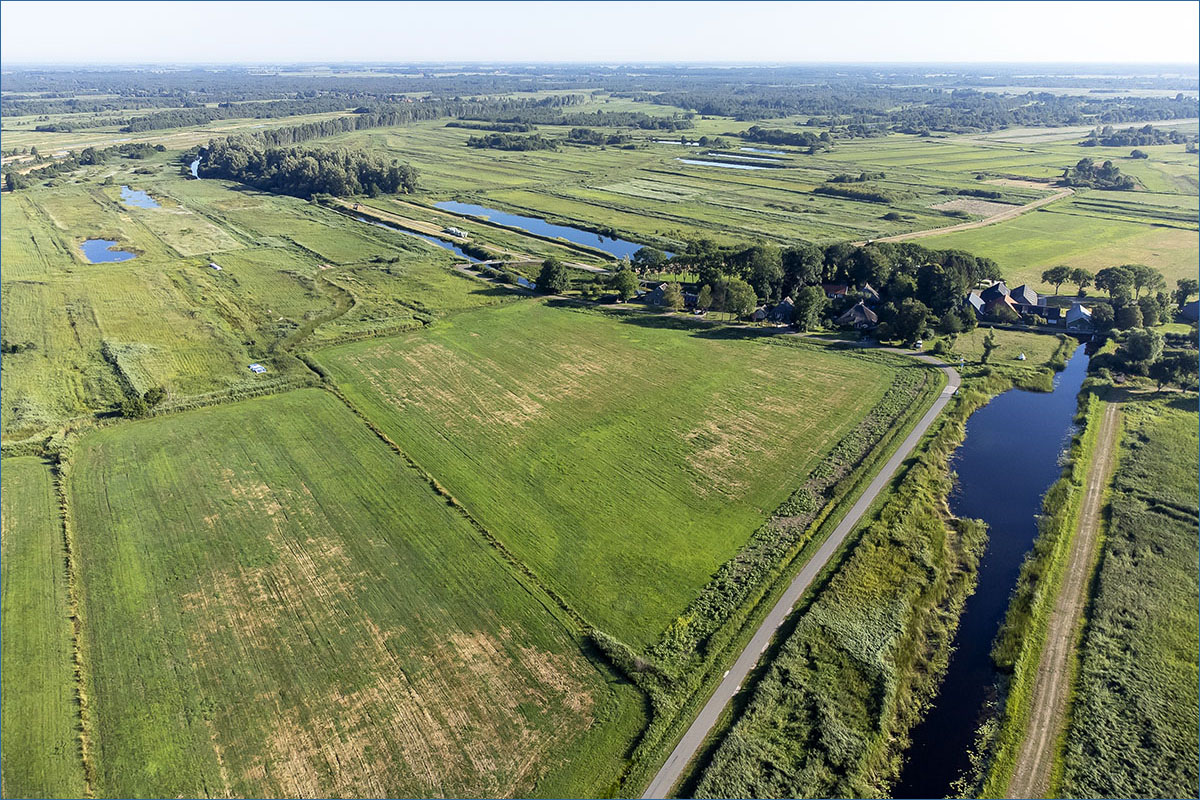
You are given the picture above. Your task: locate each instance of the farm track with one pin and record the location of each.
(1052, 683)
(1003, 216)
(676, 764)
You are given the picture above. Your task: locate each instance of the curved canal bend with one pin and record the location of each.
(1008, 459)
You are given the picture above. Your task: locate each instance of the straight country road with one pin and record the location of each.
(672, 770)
(1052, 683)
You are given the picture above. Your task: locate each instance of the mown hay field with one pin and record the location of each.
(276, 604)
(623, 460)
(1133, 729)
(39, 713)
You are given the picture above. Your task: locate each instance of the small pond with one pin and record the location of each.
(136, 198)
(196, 168)
(102, 251)
(616, 247)
(763, 150)
(701, 163)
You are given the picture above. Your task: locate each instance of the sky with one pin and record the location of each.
(742, 32)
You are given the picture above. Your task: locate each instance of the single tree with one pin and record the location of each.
(1127, 315)
(673, 297)
(704, 299)
(1150, 311)
(1102, 317)
(553, 279)
(1166, 370)
(648, 260)
(810, 304)
(1114, 280)
(1186, 287)
(989, 344)
(740, 298)
(1140, 349)
(908, 323)
(625, 284)
(1057, 276)
(1082, 278)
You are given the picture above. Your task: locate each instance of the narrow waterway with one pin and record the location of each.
(616, 247)
(445, 244)
(1011, 455)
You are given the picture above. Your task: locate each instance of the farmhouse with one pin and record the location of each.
(783, 312)
(975, 301)
(759, 314)
(869, 295)
(859, 317)
(834, 290)
(1079, 318)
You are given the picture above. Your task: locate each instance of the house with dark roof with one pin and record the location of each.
(859, 317)
(994, 292)
(975, 301)
(783, 312)
(1079, 318)
(657, 295)
(869, 295)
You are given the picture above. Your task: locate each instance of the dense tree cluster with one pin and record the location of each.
(939, 279)
(1106, 136)
(590, 136)
(304, 172)
(813, 141)
(861, 177)
(1105, 176)
(870, 194)
(506, 141)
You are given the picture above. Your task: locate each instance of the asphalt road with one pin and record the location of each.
(731, 684)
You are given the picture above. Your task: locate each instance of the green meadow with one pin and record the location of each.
(622, 460)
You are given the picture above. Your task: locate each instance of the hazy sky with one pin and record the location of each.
(224, 32)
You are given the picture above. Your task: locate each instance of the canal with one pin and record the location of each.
(1011, 455)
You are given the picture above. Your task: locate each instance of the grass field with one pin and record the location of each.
(39, 714)
(1134, 729)
(622, 460)
(1030, 244)
(277, 605)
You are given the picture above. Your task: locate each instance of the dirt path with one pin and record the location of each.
(1003, 216)
(1031, 775)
